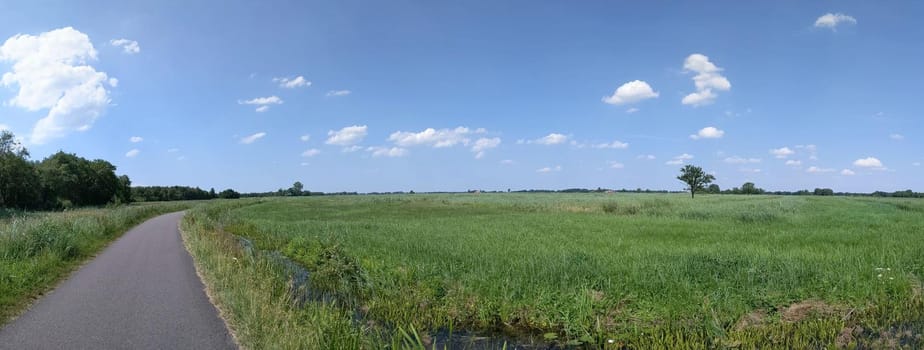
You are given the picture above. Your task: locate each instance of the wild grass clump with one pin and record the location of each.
(38, 249)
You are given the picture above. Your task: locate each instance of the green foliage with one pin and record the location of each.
(229, 194)
(695, 178)
(660, 273)
(170, 193)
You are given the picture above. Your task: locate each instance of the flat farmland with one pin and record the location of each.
(588, 270)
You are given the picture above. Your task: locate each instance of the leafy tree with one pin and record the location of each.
(19, 185)
(695, 178)
(750, 188)
(824, 192)
(229, 194)
(296, 189)
(713, 188)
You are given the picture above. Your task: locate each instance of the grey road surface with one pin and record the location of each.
(142, 292)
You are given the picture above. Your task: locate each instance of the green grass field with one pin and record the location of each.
(590, 270)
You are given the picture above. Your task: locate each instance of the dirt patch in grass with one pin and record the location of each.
(755, 318)
(848, 336)
(803, 309)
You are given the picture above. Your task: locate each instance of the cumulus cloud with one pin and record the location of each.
(262, 103)
(897, 137)
(815, 169)
(291, 83)
(847, 172)
(131, 154)
(616, 144)
(749, 170)
(136, 139)
(432, 137)
(632, 110)
(550, 139)
(679, 159)
(616, 165)
(507, 162)
(483, 144)
(252, 138)
(305, 138)
(832, 20)
(709, 132)
(336, 93)
(128, 46)
(549, 169)
(868, 162)
(52, 73)
(631, 92)
(741, 160)
(347, 136)
(387, 152)
(708, 79)
(792, 162)
(646, 156)
(311, 152)
(782, 152)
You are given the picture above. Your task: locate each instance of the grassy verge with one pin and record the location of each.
(645, 271)
(254, 294)
(37, 250)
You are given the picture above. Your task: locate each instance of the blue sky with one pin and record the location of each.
(519, 94)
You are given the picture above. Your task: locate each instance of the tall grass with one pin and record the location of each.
(640, 271)
(38, 249)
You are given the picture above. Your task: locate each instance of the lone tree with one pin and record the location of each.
(695, 178)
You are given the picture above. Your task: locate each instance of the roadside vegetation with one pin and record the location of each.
(589, 270)
(39, 249)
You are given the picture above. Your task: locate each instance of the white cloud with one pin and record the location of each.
(483, 144)
(815, 169)
(847, 172)
(782, 152)
(4, 127)
(131, 154)
(550, 139)
(632, 110)
(252, 138)
(136, 139)
(128, 46)
(291, 83)
(351, 149)
(387, 152)
(916, 163)
(616, 165)
(793, 162)
(832, 20)
(811, 149)
(868, 162)
(749, 170)
(262, 103)
(631, 92)
(646, 156)
(431, 137)
(709, 132)
(679, 159)
(898, 137)
(305, 138)
(335, 93)
(616, 144)
(347, 136)
(707, 80)
(740, 160)
(549, 169)
(311, 152)
(52, 73)
(507, 162)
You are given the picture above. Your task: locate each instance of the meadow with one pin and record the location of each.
(38, 249)
(583, 270)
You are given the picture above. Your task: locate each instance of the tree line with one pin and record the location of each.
(65, 180)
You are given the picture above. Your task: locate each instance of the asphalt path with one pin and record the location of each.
(142, 292)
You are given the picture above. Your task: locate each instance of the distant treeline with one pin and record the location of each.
(178, 193)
